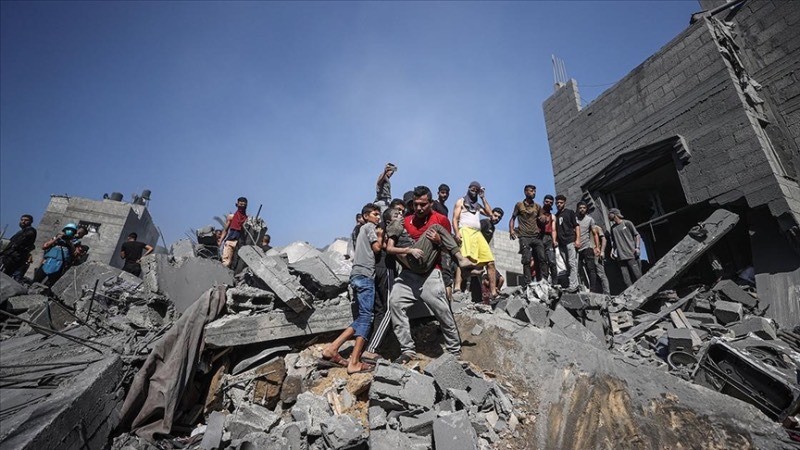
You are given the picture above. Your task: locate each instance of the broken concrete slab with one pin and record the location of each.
(395, 387)
(342, 431)
(514, 307)
(377, 417)
(731, 291)
(183, 281)
(10, 288)
(448, 373)
(418, 423)
(395, 439)
(250, 418)
(236, 330)
(670, 266)
(263, 355)
(183, 248)
(568, 326)
(697, 318)
(212, 438)
(759, 326)
(727, 312)
(298, 251)
(267, 388)
(680, 339)
(325, 275)
(143, 316)
(21, 303)
(454, 432)
(537, 314)
(249, 298)
(310, 411)
(645, 325)
(81, 279)
(275, 273)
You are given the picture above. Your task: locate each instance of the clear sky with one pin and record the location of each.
(296, 106)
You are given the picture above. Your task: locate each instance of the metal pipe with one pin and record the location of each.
(91, 300)
(75, 339)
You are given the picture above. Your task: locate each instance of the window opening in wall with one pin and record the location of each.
(91, 227)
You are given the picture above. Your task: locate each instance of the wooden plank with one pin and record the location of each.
(642, 328)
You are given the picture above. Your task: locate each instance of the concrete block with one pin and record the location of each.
(479, 390)
(250, 418)
(342, 431)
(727, 312)
(759, 326)
(395, 439)
(568, 326)
(696, 318)
(537, 314)
(10, 288)
(212, 438)
(395, 387)
(463, 397)
(22, 303)
(183, 281)
(454, 432)
(183, 248)
(680, 339)
(515, 307)
(143, 316)
(418, 423)
(377, 417)
(275, 273)
(325, 275)
(310, 411)
(249, 298)
(81, 279)
(236, 330)
(448, 373)
(731, 291)
(298, 251)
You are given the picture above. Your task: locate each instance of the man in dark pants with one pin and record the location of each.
(132, 252)
(625, 243)
(568, 232)
(448, 265)
(589, 245)
(15, 256)
(530, 244)
(549, 237)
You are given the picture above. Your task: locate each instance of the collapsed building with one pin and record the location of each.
(108, 222)
(711, 120)
(196, 355)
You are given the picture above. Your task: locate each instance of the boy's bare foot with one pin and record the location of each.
(463, 262)
(361, 367)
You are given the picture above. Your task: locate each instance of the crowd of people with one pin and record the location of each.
(412, 250)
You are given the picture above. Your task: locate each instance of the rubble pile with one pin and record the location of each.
(104, 358)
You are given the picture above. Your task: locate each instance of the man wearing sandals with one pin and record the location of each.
(410, 287)
(363, 283)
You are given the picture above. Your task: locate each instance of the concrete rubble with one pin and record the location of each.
(537, 364)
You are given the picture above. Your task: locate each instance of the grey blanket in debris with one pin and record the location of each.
(152, 402)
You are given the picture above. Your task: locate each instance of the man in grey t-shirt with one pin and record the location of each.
(589, 245)
(625, 246)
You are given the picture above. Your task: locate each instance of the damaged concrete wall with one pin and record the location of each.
(184, 280)
(116, 220)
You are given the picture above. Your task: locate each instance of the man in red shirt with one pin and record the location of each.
(233, 231)
(410, 287)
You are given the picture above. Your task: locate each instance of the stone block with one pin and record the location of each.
(212, 438)
(183, 281)
(479, 390)
(310, 411)
(183, 248)
(463, 397)
(731, 291)
(143, 316)
(680, 339)
(418, 423)
(759, 326)
(537, 314)
(696, 318)
(395, 387)
(250, 418)
(448, 373)
(515, 307)
(110, 282)
(325, 275)
(22, 303)
(454, 432)
(377, 417)
(275, 273)
(568, 326)
(10, 288)
(342, 431)
(395, 439)
(727, 312)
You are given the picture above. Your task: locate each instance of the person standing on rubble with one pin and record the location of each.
(15, 255)
(132, 252)
(625, 243)
(467, 225)
(383, 187)
(589, 245)
(410, 287)
(362, 281)
(531, 245)
(265, 247)
(233, 231)
(549, 236)
(601, 259)
(58, 253)
(448, 265)
(568, 239)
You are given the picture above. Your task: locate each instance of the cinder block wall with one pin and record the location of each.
(684, 89)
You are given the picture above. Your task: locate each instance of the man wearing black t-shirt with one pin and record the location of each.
(132, 251)
(569, 233)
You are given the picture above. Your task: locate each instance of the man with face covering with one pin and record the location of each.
(233, 231)
(58, 253)
(14, 257)
(467, 226)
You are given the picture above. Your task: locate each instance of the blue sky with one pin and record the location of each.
(296, 106)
